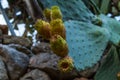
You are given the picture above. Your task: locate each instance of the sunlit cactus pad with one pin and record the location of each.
(71, 9)
(86, 43)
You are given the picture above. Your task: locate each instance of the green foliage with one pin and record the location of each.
(110, 67)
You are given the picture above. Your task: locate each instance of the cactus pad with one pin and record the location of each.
(86, 43)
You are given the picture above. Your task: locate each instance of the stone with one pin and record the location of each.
(3, 71)
(16, 62)
(22, 49)
(41, 47)
(35, 75)
(16, 40)
(48, 63)
(44, 60)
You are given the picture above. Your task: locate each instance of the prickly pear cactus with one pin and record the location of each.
(113, 27)
(86, 43)
(71, 10)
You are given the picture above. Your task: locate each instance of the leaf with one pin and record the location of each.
(110, 67)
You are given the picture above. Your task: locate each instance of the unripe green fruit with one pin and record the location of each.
(59, 45)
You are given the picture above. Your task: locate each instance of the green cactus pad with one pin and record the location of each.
(71, 9)
(113, 27)
(110, 67)
(86, 43)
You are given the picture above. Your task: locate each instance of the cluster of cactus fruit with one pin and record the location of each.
(53, 30)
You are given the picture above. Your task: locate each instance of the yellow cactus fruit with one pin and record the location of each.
(47, 14)
(58, 28)
(55, 13)
(43, 28)
(59, 45)
(65, 64)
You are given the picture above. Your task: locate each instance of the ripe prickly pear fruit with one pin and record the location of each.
(58, 28)
(47, 14)
(43, 28)
(65, 64)
(59, 45)
(55, 13)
